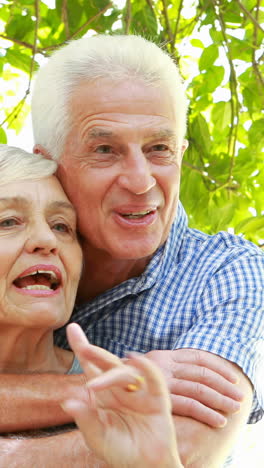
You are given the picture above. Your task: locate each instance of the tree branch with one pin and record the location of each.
(234, 101)
(250, 16)
(203, 173)
(18, 108)
(177, 23)
(17, 41)
(254, 62)
(42, 50)
(90, 20)
(167, 22)
(127, 18)
(64, 17)
(34, 44)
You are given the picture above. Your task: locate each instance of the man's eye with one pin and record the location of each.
(10, 222)
(104, 149)
(159, 147)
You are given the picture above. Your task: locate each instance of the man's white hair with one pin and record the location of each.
(118, 57)
(17, 164)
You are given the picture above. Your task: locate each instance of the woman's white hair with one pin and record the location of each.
(17, 164)
(118, 57)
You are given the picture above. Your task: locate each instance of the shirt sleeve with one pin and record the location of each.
(230, 321)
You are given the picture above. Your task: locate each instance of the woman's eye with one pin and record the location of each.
(10, 222)
(104, 149)
(61, 227)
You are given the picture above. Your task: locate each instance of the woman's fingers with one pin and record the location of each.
(125, 377)
(90, 420)
(93, 359)
(155, 379)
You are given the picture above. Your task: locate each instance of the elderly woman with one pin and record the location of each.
(40, 264)
(40, 267)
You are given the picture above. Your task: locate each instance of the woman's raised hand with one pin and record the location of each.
(125, 412)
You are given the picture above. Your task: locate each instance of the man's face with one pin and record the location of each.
(121, 166)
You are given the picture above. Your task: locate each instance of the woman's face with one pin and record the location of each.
(40, 257)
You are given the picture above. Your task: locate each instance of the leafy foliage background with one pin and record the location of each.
(218, 45)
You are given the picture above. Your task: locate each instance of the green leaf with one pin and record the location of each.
(250, 225)
(4, 13)
(18, 27)
(208, 57)
(249, 4)
(199, 131)
(3, 138)
(221, 115)
(225, 216)
(217, 36)
(232, 14)
(197, 43)
(213, 77)
(256, 132)
(144, 22)
(19, 60)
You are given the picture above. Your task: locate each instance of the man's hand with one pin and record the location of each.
(202, 384)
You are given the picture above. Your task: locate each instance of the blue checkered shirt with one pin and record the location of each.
(198, 291)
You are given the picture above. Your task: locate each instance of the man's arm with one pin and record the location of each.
(67, 450)
(33, 401)
(200, 446)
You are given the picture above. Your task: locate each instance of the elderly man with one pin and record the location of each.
(112, 111)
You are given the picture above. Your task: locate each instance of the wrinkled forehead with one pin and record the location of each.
(109, 94)
(23, 194)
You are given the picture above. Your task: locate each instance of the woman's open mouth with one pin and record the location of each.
(38, 281)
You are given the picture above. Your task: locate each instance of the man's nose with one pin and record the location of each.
(136, 175)
(41, 239)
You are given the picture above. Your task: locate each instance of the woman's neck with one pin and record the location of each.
(31, 350)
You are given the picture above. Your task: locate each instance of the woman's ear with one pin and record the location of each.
(39, 149)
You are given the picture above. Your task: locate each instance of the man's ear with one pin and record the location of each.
(184, 147)
(39, 149)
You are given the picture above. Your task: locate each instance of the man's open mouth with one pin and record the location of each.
(37, 280)
(139, 214)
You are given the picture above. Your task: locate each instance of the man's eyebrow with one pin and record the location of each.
(163, 133)
(102, 132)
(99, 132)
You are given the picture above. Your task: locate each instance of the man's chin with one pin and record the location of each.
(134, 251)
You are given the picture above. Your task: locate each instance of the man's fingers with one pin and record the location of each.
(206, 359)
(183, 406)
(204, 395)
(194, 373)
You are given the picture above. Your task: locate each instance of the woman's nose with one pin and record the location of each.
(42, 239)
